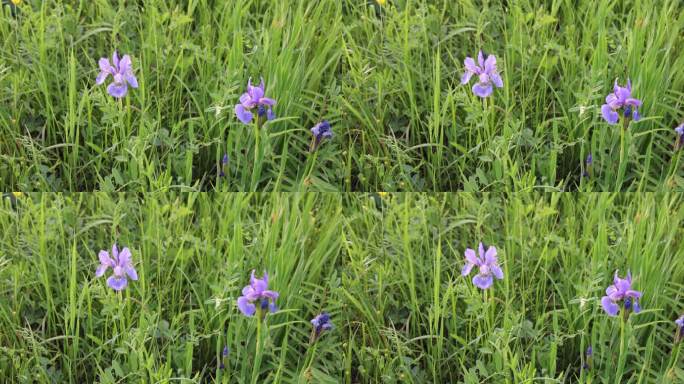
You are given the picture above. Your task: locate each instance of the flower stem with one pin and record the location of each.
(490, 303)
(674, 358)
(488, 314)
(122, 324)
(256, 169)
(623, 353)
(485, 117)
(122, 125)
(310, 361)
(258, 350)
(128, 117)
(310, 164)
(490, 115)
(623, 165)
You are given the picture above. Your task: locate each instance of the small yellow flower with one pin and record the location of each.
(381, 2)
(383, 194)
(16, 2)
(17, 194)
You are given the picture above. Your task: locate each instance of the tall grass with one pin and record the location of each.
(386, 267)
(193, 254)
(387, 77)
(559, 253)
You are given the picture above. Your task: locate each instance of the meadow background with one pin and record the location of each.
(386, 77)
(386, 266)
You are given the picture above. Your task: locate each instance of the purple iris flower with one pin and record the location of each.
(619, 99)
(679, 333)
(121, 263)
(588, 355)
(224, 356)
(588, 163)
(224, 164)
(680, 136)
(621, 290)
(121, 71)
(320, 131)
(321, 323)
(488, 266)
(254, 98)
(680, 323)
(486, 72)
(257, 293)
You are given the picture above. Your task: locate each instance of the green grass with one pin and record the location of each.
(386, 266)
(386, 77)
(387, 269)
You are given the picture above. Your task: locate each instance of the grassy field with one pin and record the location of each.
(386, 77)
(386, 267)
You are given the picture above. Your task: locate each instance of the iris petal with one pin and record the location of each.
(117, 90)
(132, 273)
(130, 78)
(609, 306)
(242, 114)
(117, 283)
(124, 257)
(270, 294)
(483, 281)
(490, 64)
(633, 102)
(609, 114)
(490, 255)
(467, 75)
(247, 308)
(101, 270)
(267, 101)
(482, 90)
(125, 64)
(496, 79)
(467, 268)
(498, 273)
(471, 257)
(613, 101)
(470, 65)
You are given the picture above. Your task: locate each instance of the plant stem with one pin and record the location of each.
(490, 115)
(256, 169)
(122, 324)
(622, 166)
(485, 113)
(119, 105)
(310, 164)
(259, 346)
(674, 357)
(622, 358)
(311, 358)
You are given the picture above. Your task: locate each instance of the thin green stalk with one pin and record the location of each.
(623, 353)
(491, 123)
(674, 358)
(256, 170)
(489, 297)
(311, 356)
(122, 321)
(259, 346)
(310, 165)
(622, 167)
